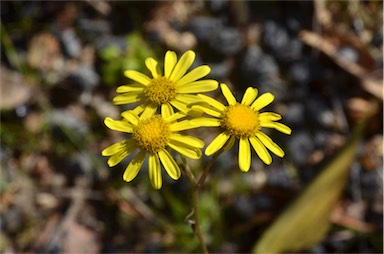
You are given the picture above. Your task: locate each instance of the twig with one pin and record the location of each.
(319, 42)
(369, 82)
(322, 15)
(78, 198)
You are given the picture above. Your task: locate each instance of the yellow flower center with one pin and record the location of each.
(152, 134)
(241, 121)
(161, 90)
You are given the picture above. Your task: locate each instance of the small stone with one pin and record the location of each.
(15, 91)
(85, 77)
(276, 39)
(219, 70)
(227, 41)
(204, 27)
(300, 147)
(295, 114)
(319, 112)
(255, 65)
(349, 54)
(71, 43)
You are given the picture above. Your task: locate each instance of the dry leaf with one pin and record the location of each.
(307, 220)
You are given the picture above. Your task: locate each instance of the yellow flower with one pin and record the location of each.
(152, 135)
(242, 121)
(175, 88)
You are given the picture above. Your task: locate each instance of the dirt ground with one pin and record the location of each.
(61, 62)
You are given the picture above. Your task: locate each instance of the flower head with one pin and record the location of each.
(242, 121)
(173, 89)
(152, 135)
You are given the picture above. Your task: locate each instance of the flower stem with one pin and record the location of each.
(195, 209)
(197, 228)
(196, 186)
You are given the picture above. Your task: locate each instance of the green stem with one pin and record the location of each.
(196, 186)
(197, 228)
(195, 209)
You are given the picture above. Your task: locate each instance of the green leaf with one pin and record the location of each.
(307, 220)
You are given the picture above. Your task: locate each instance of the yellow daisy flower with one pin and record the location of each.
(152, 135)
(242, 121)
(175, 88)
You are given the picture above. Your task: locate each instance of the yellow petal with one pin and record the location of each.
(130, 88)
(187, 140)
(207, 109)
(131, 117)
(138, 77)
(206, 122)
(272, 146)
(249, 96)
(194, 75)
(149, 111)
(269, 116)
(154, 171)
(264, 100)
(188, 98)
(278, 126)
(169, 164)
(230, 142)
(169, 63)
(166, 110)
(127, 98)
(153, 67)
(182, 125)
(182, 65)
(139, 109)
(118, 125)
(134, 167)
(193, 153)
(174, 117)
(261, 151)
(228, 94)
(119, 146)
(214, 103)
(200, 86)
(244, 155)
(119, 156)
(217, 143)
(180, 106)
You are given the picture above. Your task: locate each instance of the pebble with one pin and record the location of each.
(120, 42)
(204, 27)
(219, 70)
(84, 77)
(300, 146)
(61, 118)
(70, 42)
(94, 29)
(319, 113)
(217, 5)
(295, 114)
(227, 41)
(275, 38)
(278, 177)
(349, 54)
(255, 65)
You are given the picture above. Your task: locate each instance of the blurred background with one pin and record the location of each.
(62, 61)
